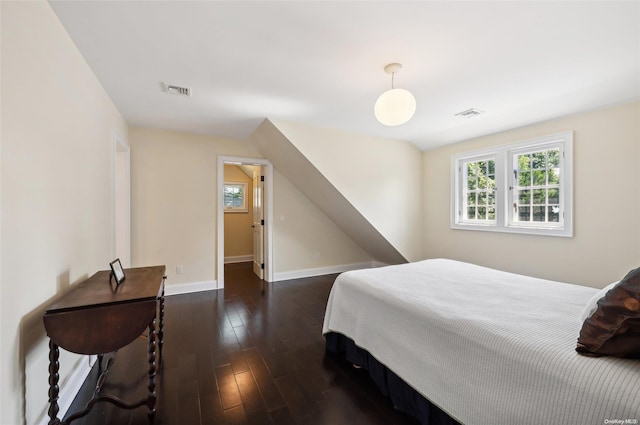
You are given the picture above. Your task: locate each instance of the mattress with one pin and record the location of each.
(486, 346)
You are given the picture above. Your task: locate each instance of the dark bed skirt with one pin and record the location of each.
(403, 397)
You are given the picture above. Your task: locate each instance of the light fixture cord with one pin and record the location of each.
(393, 74)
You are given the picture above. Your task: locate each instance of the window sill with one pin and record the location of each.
(539, 231)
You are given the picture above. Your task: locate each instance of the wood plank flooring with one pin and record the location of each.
(244, 356)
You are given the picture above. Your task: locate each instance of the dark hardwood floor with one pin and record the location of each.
(241, 356)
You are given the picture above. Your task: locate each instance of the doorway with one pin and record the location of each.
(253, 213)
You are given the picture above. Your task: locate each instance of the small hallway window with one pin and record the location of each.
(235, 197)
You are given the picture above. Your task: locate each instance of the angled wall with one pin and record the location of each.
(370, 187)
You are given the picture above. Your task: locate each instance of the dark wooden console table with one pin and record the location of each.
(98, 317)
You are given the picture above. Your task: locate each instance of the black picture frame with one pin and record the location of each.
(117, 271)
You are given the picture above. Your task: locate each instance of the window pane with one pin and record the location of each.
(554, 176)
(539, 178)
(230, 196)
(233, 198)
(471, 183)
(523, 213)
(539, 196)
(233, 195)
(553, 158)
(554, 196)
(491, 213)
(482, 213)
(524, 162)
(539, 214)
(491, 198)
(538, 160)
(471, 199)
(554, 213)
(471, 213)
(482, 198)
(482, 168)
(492, 167)
(524, 179)
(524, 197)
(471, 168)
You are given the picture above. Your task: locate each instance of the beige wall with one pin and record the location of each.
(173, 206)
(58, 153)
(606, 242)
(382, 178)
(238, 234)
(305, 238)
(174, 211)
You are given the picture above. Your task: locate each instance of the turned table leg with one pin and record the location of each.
(54, 377)
(151, 399)
(161, 328)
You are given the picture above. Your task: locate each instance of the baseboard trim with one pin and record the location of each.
(70, 388)
(238, 259)
(298, 274)
(187, 288)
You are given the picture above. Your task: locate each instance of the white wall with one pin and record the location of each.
(57, 171)
(606, 242)
(381, 178)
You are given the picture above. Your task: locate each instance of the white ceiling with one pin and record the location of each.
(321, 62)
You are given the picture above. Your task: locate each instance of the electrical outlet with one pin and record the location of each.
(179, 269)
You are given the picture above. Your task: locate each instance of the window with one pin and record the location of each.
(479, 191)
(535, 194)
(235, 197)
(525, 187)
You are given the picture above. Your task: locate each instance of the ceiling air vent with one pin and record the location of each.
(469, 113)
(177, 90)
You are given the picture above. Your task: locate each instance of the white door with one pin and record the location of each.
(258, 221)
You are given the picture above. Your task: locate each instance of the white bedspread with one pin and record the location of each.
(488, 347)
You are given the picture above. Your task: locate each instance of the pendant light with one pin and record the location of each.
(395, 106)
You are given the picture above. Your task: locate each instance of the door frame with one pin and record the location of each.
(268, 214)
(121, 154)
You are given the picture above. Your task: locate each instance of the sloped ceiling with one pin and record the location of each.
(378, 207)
(292, 164)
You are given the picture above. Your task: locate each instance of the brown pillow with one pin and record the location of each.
(614, 328)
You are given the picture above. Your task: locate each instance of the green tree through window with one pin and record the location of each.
(522, 187)
(480, 192)
(537, 177)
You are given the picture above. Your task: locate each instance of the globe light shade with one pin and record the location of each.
(395, 107)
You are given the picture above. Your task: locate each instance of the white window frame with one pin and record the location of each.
(461, 201)
(503, 157)
(237, 209)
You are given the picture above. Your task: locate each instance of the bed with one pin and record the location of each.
(484, 346)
